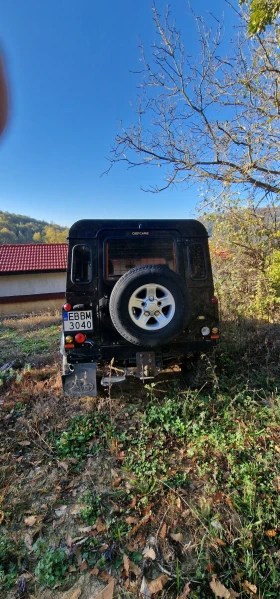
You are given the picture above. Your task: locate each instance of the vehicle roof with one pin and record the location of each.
(89, 228)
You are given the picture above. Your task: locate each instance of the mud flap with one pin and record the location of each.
(80, 380)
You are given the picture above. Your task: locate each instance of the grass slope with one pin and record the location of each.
(163, 488)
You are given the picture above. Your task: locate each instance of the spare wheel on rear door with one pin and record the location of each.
(150, 305)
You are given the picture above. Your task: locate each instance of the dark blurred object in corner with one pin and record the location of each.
(3, 97)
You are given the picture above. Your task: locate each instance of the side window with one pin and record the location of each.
(197, 261)
(81, 264)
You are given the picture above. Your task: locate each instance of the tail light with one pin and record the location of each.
(80, 338)
(205, 331)
(67, 307)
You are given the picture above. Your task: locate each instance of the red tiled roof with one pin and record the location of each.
(32, 257)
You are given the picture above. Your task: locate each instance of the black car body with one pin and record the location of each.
(139, 295)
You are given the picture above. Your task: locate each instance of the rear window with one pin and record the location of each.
(124, 254)
(81, 264)
(197, 261)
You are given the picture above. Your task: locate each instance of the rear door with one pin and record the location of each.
(118, 252)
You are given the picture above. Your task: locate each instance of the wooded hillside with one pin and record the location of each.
(15, 228)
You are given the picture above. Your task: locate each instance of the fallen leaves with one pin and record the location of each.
(149, 553)
(270, 533)
(219, 589)
(250, 588)
(129, 566)
(33, 520)
(28, 541)
(186, 591)
(139, 524)
(148, 589)
(108, 592)
(163, 529)
(178, 537)
(64, 464)
(157, 584)
(73, 594)
(99, 525)
(219, 541)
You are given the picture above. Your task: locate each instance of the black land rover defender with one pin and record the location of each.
(139, 297)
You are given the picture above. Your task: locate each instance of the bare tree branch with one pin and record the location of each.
(208, 118)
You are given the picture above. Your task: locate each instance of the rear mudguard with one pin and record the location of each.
(80, 380)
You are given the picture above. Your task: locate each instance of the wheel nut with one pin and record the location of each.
(157, 313)
(151, 298)
(147, 313)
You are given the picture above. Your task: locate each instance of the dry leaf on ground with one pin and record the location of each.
(126, 563)
(149, 553)
(233, 594)
(157, 584)
(220, 541)
(131, 520)
(270, 533)
(178, 537)
(162, 533)
(219, 589)
(32, 520)
(108, 592)
(63, 464)
(134, 568)
(144, 589)
(99, 525)
(133, 503)
(117, 482)
(28, 541)
(249, 587)
(186, 591)
(83, 566)
(85, 529)
(73, 594)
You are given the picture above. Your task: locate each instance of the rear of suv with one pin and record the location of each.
(139, 298)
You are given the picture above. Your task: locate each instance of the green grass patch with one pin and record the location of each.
(9, 554)
(84, 435)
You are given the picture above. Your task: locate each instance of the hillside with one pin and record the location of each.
(16, 228)
(154, 485)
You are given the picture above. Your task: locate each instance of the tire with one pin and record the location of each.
(171, 319)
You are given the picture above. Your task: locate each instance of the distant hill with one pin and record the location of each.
(15, 228)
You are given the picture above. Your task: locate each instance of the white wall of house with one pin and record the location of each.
(32, 284)
(36, 307)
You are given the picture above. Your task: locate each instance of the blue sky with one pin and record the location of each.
(69, 64)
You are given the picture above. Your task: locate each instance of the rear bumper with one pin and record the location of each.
(128, 352)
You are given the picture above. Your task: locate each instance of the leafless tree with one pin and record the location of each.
(208, 118)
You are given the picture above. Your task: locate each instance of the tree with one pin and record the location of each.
(55, 234)
(262, 13)
(37, 237)
(246, 261)
(208, 119)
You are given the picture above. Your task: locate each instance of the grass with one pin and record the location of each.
(28, 339)
(194, 475)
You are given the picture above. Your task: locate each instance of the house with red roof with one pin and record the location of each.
(32, 277)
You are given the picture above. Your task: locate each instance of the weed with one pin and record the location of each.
(94, 507)
(78, 440)
(52, 565)
(8, 562)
